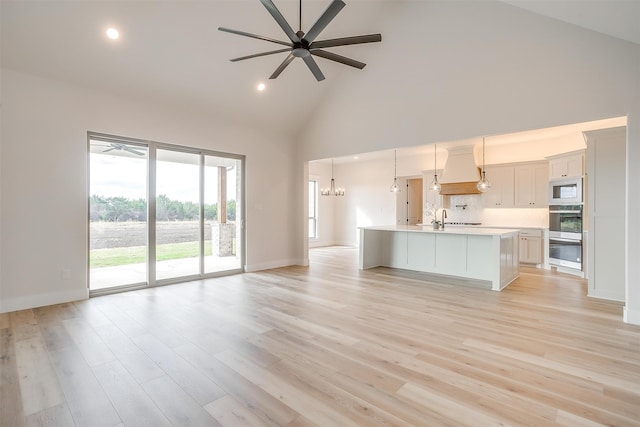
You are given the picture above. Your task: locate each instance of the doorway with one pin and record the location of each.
(414, 201)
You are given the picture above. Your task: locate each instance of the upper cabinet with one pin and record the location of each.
(501, 193)
(523, 185)
(532, 185)
(566, 165)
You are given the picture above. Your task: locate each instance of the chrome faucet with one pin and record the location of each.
(444, 215)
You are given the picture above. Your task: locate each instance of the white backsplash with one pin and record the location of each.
(469, 208)
(517, 217)
(466, 208)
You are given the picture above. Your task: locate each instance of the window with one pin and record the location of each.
(313, 209)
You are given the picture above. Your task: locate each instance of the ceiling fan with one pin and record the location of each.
(305, 46)
(122, 147)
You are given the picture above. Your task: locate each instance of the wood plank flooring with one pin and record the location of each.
(327, 345)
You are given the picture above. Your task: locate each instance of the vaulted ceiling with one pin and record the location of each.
(172, 52)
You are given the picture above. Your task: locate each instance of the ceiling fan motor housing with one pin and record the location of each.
(301, 48)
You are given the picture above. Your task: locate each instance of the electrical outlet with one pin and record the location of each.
(66, 274)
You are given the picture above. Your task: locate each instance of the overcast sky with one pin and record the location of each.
(113, 176)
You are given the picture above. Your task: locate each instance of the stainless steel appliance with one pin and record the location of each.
(566, 191)
(565, 236)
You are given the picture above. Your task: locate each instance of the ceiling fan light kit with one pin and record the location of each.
(305, 46)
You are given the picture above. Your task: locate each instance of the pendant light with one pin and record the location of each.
(483, 185)
(395, 188)
(435, 185)
(332, 190)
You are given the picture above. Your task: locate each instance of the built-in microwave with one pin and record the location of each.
(566, 191)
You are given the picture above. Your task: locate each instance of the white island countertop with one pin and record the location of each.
(478, 231)
(487, 255)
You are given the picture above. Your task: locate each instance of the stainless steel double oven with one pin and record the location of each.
(565, 235)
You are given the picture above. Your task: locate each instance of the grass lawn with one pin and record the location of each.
(138, 254)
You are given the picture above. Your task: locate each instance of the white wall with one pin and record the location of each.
(44, 181)
(484, 68)
(367, 199)
(479, 68)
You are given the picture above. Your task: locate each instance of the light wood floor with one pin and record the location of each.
(324, 346)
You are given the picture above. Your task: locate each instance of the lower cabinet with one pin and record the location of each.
(531, 247)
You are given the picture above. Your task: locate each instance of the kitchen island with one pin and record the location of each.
(487, 255)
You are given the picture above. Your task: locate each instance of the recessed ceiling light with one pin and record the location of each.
(355, 157)
(113, 34)
(261, 87)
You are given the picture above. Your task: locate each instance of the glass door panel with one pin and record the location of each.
(177, 214)
(222, 214)
(117, 214)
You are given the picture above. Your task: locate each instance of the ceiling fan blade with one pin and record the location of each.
(133, 151)
(255, 55)
(242, 33)
(343, 41)
(273, 10)
(338, 58)
(326, 17)
(311, 63)
(109, 149)
(282, 66)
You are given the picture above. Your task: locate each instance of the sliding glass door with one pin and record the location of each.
(117, 213)
(192, 228)
(177, 214)
(222, 211)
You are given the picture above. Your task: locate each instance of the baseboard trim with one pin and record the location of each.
(22, 303)
(250, 268)
(606, 296)
(631, 316)
(350, 244)
(319, 243)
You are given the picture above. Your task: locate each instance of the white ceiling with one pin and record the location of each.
(171, 52)
(617, 18)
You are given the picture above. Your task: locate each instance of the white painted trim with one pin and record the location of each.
(631, 316)
(41, 300)
(271, 264)
(610, 296)
(317, 243)
(345, 243)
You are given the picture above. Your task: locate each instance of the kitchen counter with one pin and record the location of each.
(453, 229)
(487, 255)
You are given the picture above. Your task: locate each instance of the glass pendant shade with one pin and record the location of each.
(395, 188)
(483, 185)
(435, 185)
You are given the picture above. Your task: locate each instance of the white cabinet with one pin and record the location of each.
(606, 169)
(531, 246)
(566, 165)
(524, 185)
(477, 254)
(501, 193)
(532, 185)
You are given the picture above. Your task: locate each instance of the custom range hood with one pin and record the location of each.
(461, 173)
